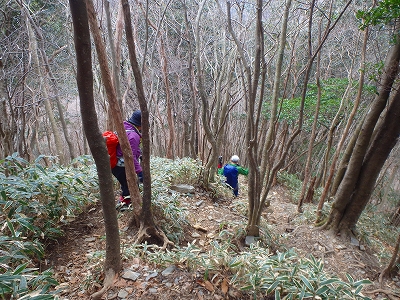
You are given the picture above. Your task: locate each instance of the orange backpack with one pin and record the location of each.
(111, 143)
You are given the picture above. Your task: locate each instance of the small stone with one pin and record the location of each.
(168, 271)
(128, 274)
(183, 188)
(354, 241)
(91, 239)
(152, 275)
(123, 294)
(249, 240)
(153, 291)
(199, 203)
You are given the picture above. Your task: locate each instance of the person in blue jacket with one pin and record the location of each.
(231, 172)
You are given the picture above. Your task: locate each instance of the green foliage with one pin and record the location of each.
(332, 91)
(165, 172)
(258, 272)
(383, 14)
(292, 183)
(181, 170)
(34, 202)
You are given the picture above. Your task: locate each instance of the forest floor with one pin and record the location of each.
(69, 256)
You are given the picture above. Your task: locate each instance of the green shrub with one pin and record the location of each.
(34, 202)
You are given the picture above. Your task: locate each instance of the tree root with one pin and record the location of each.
(390, 294)
(108, 281)
(146, 232)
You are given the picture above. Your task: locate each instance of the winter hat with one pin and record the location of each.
(136, 118)
(235, 158)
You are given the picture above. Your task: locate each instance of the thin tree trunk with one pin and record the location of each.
(52, 79)
(392, 262)
(5, 121)
(115, 58)
(43, 83)
(205, 112)
(171, 137)
(148, 228)
(313, 135)
(115, 109)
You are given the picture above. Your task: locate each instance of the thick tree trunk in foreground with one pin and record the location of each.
(368, 156)
(95, 139)
(379, 150)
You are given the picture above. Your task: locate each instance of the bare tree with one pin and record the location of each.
(148, 228)
(115, 109)
(96, 142)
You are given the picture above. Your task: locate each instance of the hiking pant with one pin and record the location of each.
(119, 173)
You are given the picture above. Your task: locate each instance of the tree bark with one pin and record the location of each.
(332, 169)
(49, 110)
(205, 112)
(95, 139)
(170, 151)
(378, 151)
(369, 156)
(148, 228)
(115, 109)
(5, 121)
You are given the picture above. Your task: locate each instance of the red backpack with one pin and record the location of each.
(111, 143)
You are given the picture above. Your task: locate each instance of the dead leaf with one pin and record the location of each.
(209, 286)
(206, 284)
(198, 227)
(225, 286)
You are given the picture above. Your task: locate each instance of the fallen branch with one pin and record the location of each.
(390, 294)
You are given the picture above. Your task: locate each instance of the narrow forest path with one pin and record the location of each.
(85, 235)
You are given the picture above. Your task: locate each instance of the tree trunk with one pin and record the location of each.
(368, 157)
(43, 83)
(307, 169)
(115, 109)
(385, 139)
(95, 139)
(52, 79)
(115, 57)
(205, 112)
(170, 151)
(148, 228)
(332, 169)
(5, 121)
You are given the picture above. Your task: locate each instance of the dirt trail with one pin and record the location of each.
(69, 257)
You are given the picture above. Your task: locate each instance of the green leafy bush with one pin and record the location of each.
(165, 172)
(258, 272)
(34, 202)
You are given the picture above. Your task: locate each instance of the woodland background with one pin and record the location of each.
(313, 85)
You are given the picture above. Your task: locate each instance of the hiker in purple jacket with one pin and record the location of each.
(132, 127)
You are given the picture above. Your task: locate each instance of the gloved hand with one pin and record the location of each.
(140, 176)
